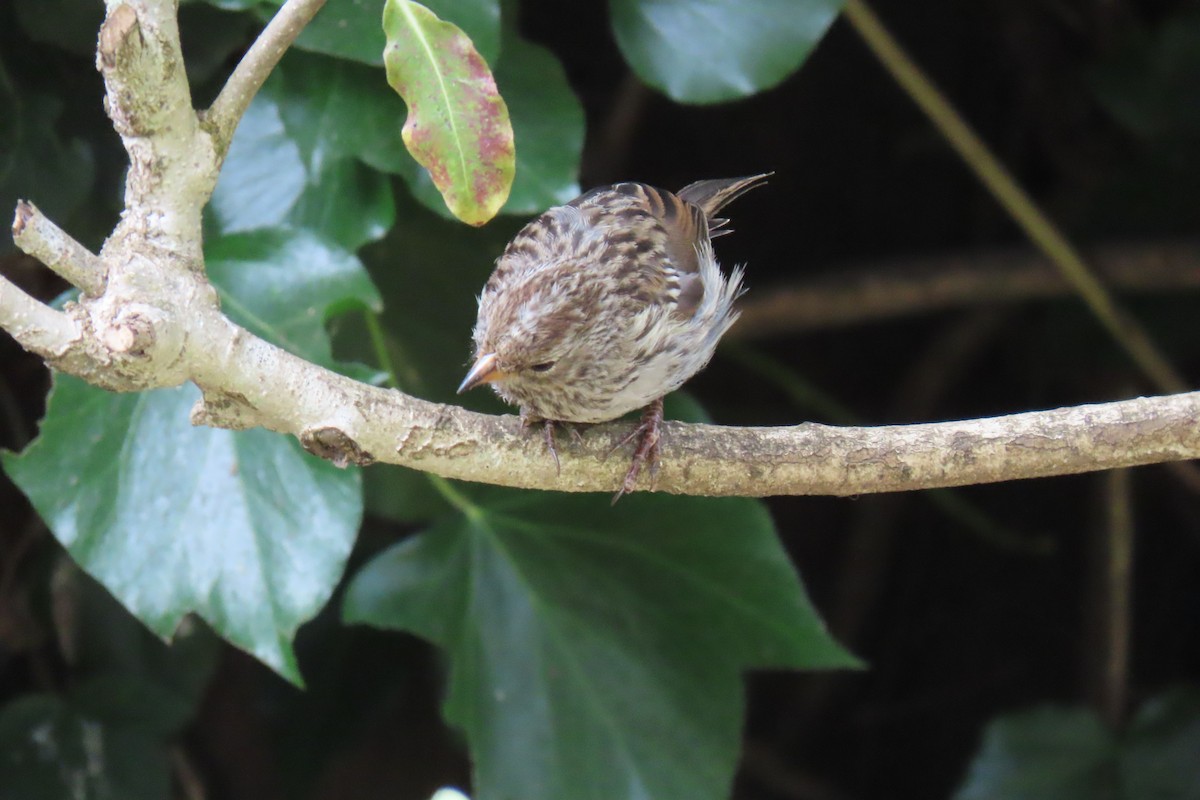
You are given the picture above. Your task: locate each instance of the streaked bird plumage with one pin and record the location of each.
(606, 304)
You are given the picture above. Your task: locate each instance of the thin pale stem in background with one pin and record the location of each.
(1020, 206)
(853, 294)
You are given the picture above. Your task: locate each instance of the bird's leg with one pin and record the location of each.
(648, 433)
(548, 435)
(528, 421)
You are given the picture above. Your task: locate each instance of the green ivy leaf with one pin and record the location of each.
(548, 128)
(284, 285)
(597, 652)
(1068, 754)
(245, 528)
(710, 51)
(338, 109)
(293, 161)
(1046, 753)
(1158, 751)
(350, 29)
(458, 127)
(548, 124)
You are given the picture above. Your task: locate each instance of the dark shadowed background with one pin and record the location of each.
(967, 605)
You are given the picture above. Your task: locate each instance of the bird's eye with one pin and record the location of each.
(543, 367)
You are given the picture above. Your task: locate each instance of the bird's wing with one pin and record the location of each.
(652, 238)
(663, 221)
(656, 238)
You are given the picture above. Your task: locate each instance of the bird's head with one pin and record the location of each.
(534, 331)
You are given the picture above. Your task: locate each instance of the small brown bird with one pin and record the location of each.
(607, 304)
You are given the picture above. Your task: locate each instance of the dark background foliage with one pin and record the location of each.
(1094, 106)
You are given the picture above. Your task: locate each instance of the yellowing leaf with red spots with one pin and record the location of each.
(458, 127)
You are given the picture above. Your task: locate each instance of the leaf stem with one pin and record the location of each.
(383, 357)
(455, 498)
(1019, 205)
(379, 345)
(807, 397)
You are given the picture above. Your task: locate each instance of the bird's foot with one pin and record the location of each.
(547, 436)
(648, 433)
(548, 426)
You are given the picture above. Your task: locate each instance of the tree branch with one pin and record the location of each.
(248, 382)
(222, 118)
(255, 383)
(1125, 329)
(48, 243)
(39, 328)
(172, 165)
(158, 323)
(854, 294)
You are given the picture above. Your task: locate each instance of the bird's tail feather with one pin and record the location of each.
(713, 195)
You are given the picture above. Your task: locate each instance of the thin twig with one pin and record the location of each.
(852, 294)
(34, 233)
(1020, 206)
(247, 78)
(36, 326)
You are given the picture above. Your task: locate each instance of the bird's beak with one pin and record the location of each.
(483, 371)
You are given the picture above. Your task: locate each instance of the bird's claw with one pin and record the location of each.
(646, 453)
(547, 437)
(648, 433)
